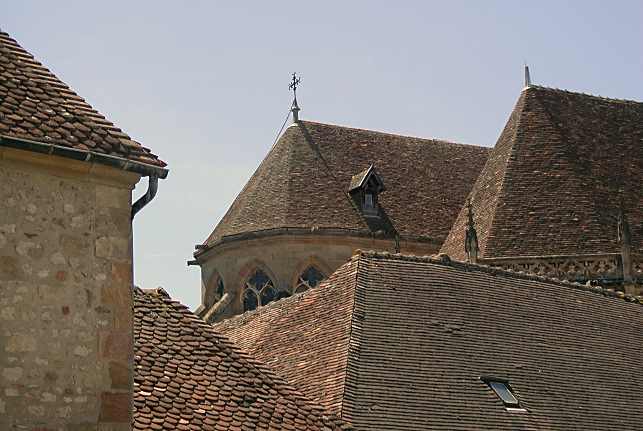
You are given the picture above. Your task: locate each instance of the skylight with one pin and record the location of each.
(503, 391)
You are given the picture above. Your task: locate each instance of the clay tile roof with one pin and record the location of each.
(555, 181)
(303, 182)
(36, 106)
(395, 342)
(187, 374)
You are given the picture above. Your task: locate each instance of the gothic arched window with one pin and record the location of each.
(310, 277)
(259, 290)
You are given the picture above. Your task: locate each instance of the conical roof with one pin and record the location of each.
(554, 184)
(304, 181)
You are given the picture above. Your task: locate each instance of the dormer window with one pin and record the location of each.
(369, 203)
(364, 189)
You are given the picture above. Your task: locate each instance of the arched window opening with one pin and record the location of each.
(214, 290)
(309, 278)
(220, 288)
(259, 290)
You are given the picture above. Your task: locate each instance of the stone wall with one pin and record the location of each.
(283, 258)
(65, 294)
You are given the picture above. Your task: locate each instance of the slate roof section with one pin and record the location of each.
(556, 178)
(189, 377)
(36, 106)
(424, 330)
(303, 183)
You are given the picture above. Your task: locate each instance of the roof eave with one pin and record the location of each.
(144, 169)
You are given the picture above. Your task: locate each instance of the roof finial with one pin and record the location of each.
(471, 236)
(527, 77)
(293, 86)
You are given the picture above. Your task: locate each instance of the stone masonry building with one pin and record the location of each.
(66, 176)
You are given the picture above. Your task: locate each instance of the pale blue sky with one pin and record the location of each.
(205, 84)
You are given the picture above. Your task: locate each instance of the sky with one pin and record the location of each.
(205, 84)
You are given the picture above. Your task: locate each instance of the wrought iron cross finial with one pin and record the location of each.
(294, 83)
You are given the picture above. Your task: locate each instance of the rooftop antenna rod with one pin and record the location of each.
(527, 77)
(293, 86)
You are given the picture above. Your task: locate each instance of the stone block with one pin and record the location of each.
(117, 345)
(112, 197)
(115, 407)
(10, 268)
(120, 375)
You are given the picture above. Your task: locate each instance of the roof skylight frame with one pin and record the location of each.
(505, 393)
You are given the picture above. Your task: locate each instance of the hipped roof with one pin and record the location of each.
(395, 342)
(36, 106)
(557, 178)
(304, 180)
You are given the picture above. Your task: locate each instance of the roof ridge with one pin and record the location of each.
(315, 148)
(520, 106)
(579, 93)
(445, 260)
(353, 347)
(398, 135)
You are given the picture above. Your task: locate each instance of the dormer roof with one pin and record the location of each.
(360, 180)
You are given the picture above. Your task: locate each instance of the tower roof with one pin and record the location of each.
(401, 342)
(37, 107)
(557, 177)
(304, 181)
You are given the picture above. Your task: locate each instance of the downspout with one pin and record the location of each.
(152, 187)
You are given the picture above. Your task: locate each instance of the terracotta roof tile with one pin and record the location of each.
(36, 106)
(303, 182)
(424, 330)
(555, 181)
(187, 376)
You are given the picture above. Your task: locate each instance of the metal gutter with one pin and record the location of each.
(143, 169)
(152, 187)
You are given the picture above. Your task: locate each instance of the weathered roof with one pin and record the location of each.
(187, 377)
(303, 182)
(36, 106)
(423, 331)
(554, 183)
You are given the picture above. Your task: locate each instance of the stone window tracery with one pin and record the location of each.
(310, 277)
(259, 290)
